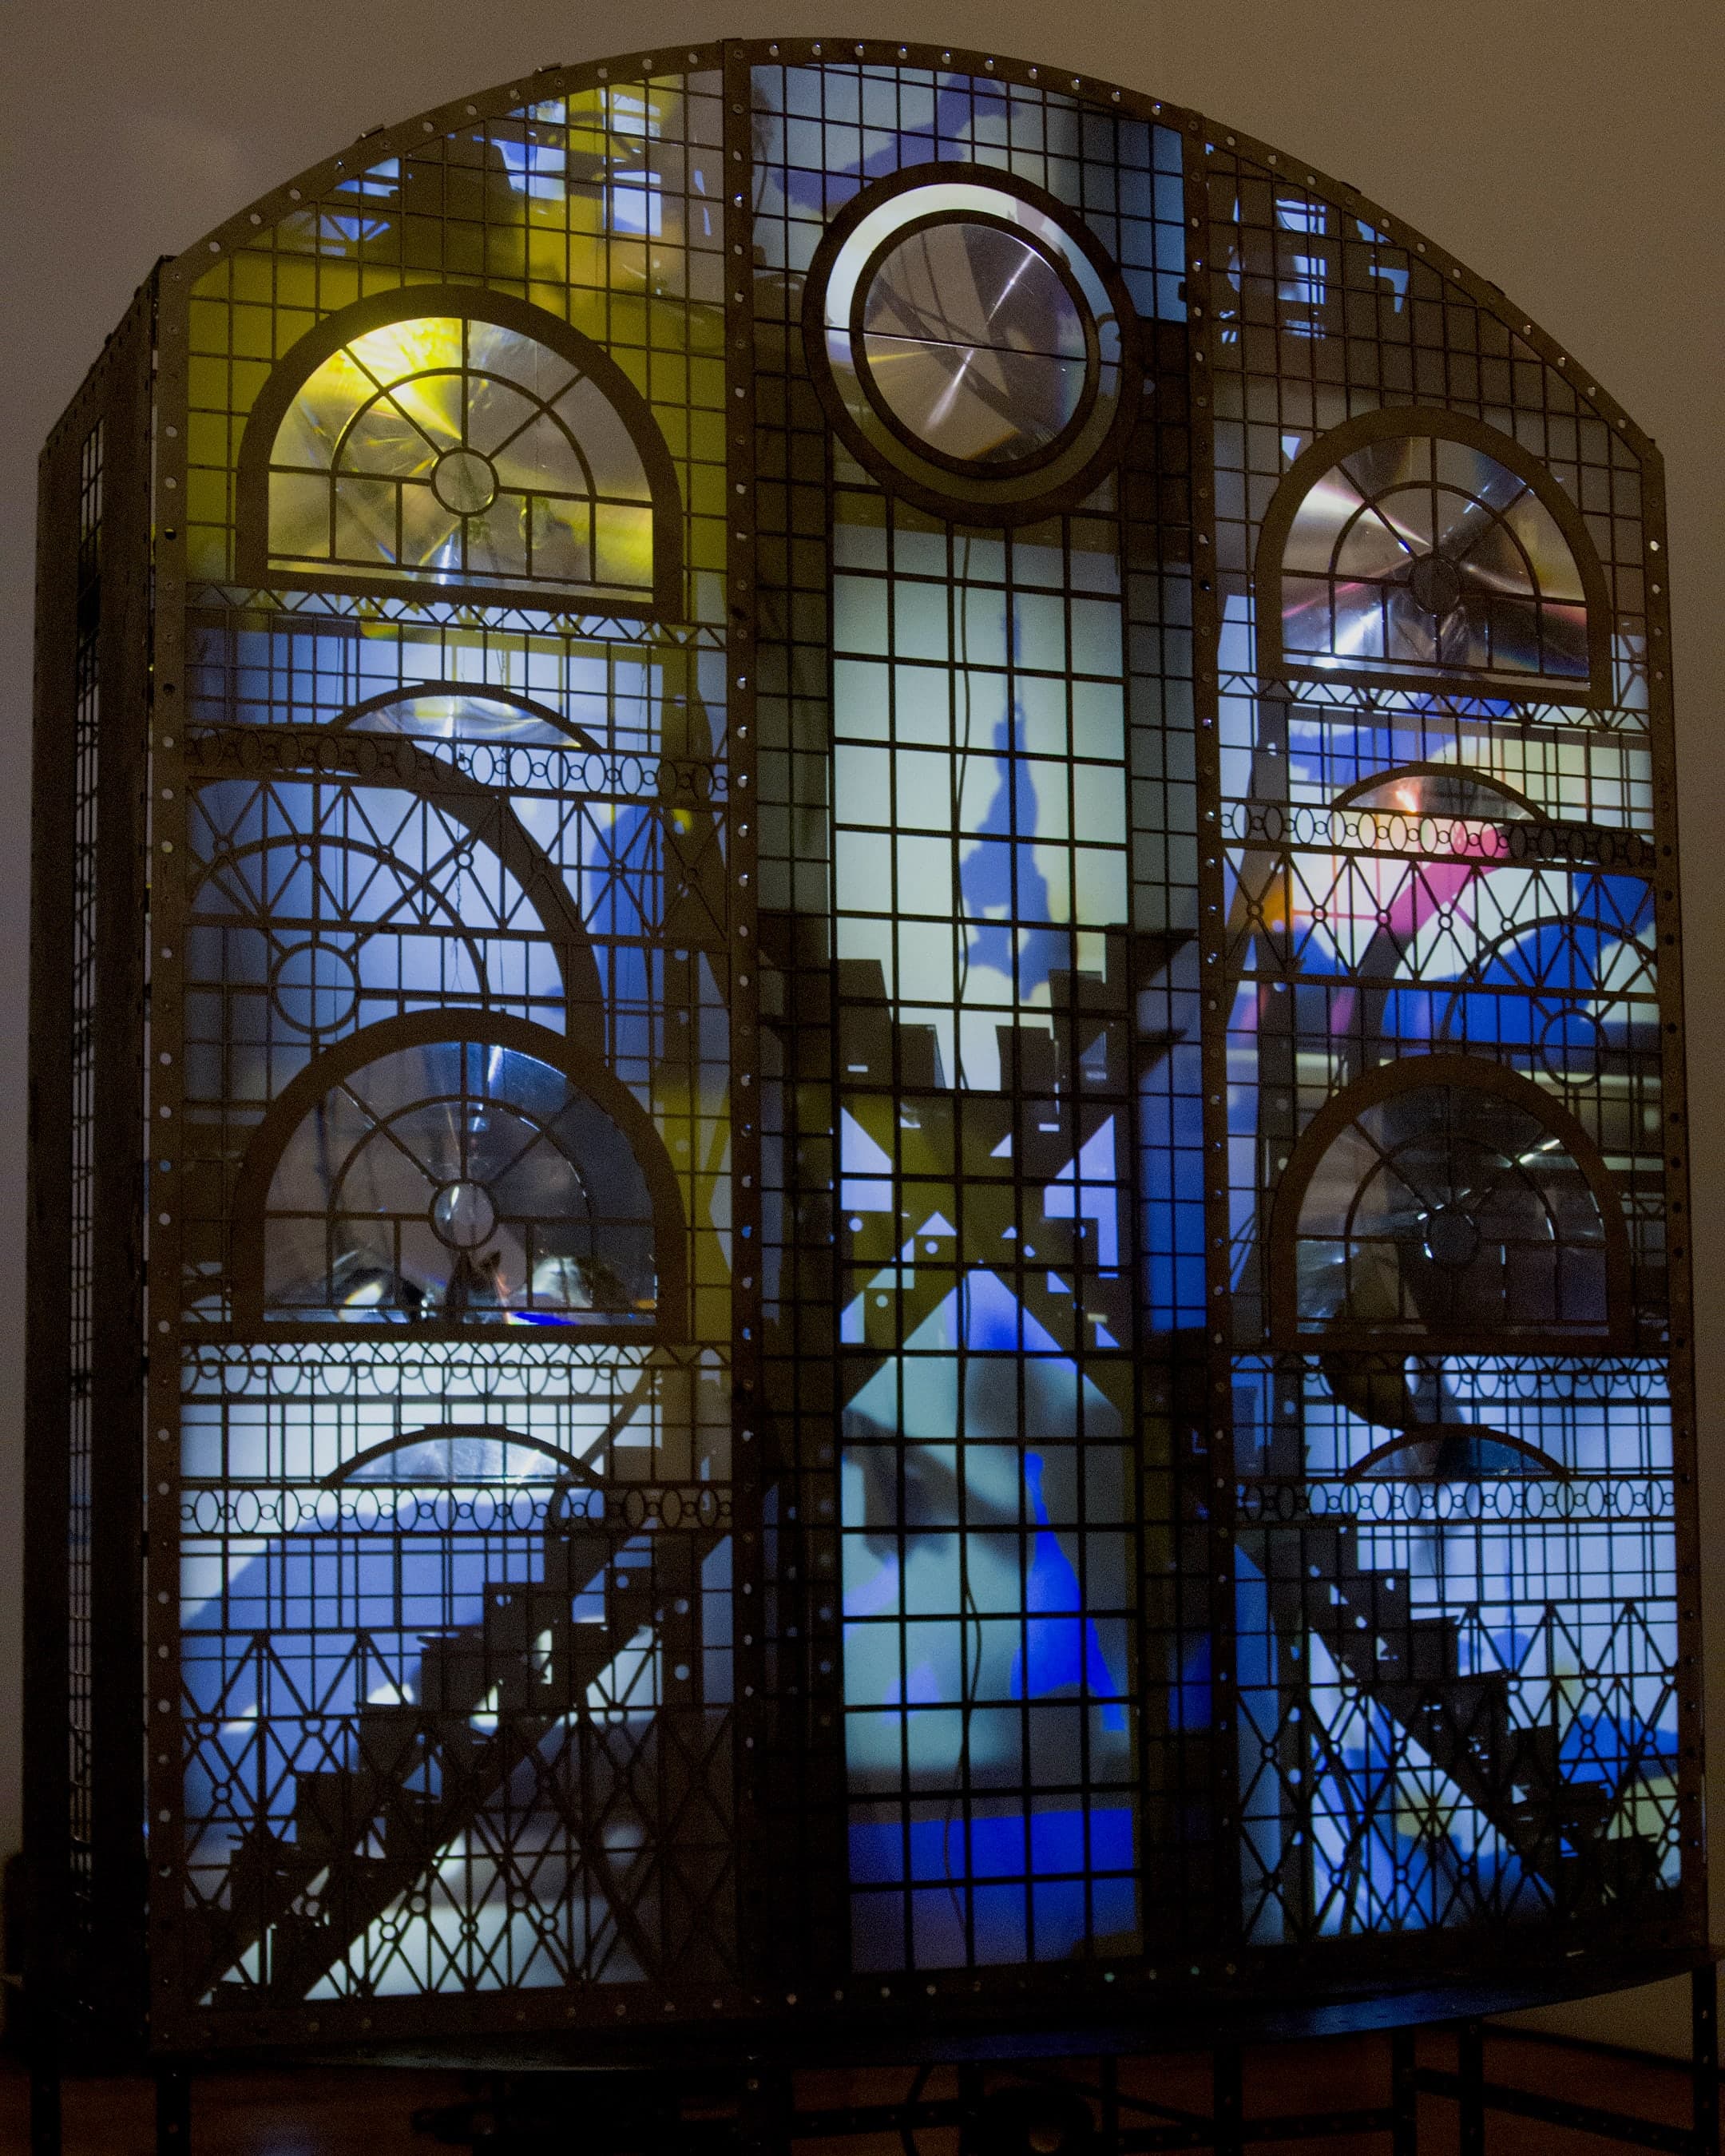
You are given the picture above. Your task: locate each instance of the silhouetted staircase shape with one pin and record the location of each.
(1410, 1666)
(425, 1769)
(1062, 1071)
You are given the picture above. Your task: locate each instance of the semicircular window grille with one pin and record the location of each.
(451, 1182)
(1452, 1204)
(459, 440)
(1421, 549)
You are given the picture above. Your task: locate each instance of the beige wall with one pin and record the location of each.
(1573, 153)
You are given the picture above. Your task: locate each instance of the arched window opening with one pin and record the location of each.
(1420, 548)
(322, 906)
(430, 1175)
(1451, 1205)
(1472, 918)
(1426, 1418)
(438, 439)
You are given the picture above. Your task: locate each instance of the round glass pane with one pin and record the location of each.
(1452, 1237)
(463, 1213)
(463, 480)
(315, 987)
(1435, 584)
(974, 343)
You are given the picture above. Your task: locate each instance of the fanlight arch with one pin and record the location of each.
(1424, 549)
(438, 440)
(424, 889)
(1450, 1205)
(442, 1172)
(1479, 916)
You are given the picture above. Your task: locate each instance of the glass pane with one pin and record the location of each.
(974, 342)
(460, 1181)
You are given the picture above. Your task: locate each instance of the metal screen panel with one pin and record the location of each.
(915, 1171)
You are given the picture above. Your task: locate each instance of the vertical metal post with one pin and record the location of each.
(1470, 2094)
(173, 2111)
(1228, 2100)
(1109, 2079)
(1704, 2058)
(45, 2079)
(764, 2111)
(1403, 2092)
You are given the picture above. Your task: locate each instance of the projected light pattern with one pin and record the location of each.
(914, 1072)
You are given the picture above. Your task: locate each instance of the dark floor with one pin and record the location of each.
(324, 2112)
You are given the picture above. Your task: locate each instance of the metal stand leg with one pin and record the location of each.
(1228, 2100)
(1470, 2095)
(764, 2114)
(1704, 2058)
(1110, 2083)
(1403, 2094)
(44, 2085)
(173, 2111)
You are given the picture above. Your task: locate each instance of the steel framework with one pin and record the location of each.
(858, 1182)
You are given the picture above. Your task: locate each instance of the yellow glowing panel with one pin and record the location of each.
(462, 450)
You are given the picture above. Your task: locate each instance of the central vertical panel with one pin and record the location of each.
(979, 877)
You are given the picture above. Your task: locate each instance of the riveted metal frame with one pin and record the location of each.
(1648, 580)
(1215, 989)
(83, 1518)
(784, 1498)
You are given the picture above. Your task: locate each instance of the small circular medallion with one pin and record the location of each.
(462, 1213)
(1452, 1237)
(464, 481)
(1435, 584)
(1573, 1044)
(315, 986)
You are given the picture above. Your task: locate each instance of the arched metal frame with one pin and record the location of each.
(430, 1029)
(1415, 1074)
(255, 563)
(494, 1433)
(348, 721)
(1486, 783)
(1529, 838)
(1381, 1458)
(337, 752)
(1388, 423)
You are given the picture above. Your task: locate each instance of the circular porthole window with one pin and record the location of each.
(974, 350)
